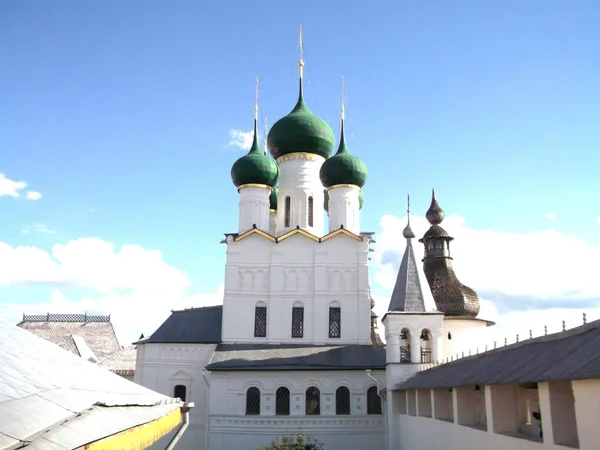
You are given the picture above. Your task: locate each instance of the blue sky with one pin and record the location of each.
(119, 114)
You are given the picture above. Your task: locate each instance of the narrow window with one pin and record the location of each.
(179, 391)
(297, 322)
(373, 401)
(313, 400)
(310, 211)
(288, 206)
(335, 319)
(282, 401)
(342, 401)
(260, 321)
(253, 401)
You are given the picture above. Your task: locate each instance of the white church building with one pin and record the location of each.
(295, 348)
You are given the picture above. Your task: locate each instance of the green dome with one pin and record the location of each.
(361, 200)
(301, 131)
(273, 199)
(255, 167)
(343, 167)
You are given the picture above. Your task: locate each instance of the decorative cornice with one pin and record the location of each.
(300, 155)
(298, 231)
(254, 185)
(255, 231)
(341, 231)
(272, 210)
(343, 185)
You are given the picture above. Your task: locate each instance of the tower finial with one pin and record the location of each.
(256, 102)
(255, 148)
(435, 215)
(265, 133)
(301, 61)
(408, 232)
(343, 100)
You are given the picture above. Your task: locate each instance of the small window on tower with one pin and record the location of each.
(335, 319)
(310, 211)
(297, 322)
(260, 321)
(288, 206)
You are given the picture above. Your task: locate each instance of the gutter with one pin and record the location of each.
(185, 409)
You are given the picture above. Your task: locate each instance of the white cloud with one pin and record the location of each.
(132, 284)
(33, 195)
(243, 139)
(550, 216)
(598, 220)
(13, 188)
(525, 280)
(37, 228)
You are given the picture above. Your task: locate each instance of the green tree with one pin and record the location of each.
(297, 442)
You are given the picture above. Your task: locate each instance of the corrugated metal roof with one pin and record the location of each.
(569, 355)
(296, 357)
(190, 326)
(99, 336)
(44, 388)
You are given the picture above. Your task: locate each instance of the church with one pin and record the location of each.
(295, 346)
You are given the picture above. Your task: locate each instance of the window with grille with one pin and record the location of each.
(288, 206)
(297, 322)
(313, 400)
(260, 321)
(373, 401)
(179, 391)
(335, 322)
(310, 211)
(342, 401)
(282, 401)
(253, 401)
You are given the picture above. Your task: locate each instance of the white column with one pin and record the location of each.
(272, 222)
(299, 180)
(393, 348)
(438, 343)
(344, 208)
(254, 207)
(415, 347)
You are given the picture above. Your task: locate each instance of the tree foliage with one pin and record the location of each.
(298, 442)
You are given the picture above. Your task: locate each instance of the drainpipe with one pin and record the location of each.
(185, 409)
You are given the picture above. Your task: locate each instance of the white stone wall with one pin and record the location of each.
(254, 208)
(161, 367)
(466, 335)
(297, 271)
(344, 208)
(230, 428)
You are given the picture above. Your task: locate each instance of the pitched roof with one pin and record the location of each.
(121, 362)
(236, 357)
(190, 326)
(408, 293)
(569, 355)
(50, 398)
(64, 329)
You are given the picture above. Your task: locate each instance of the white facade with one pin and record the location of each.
(297, 271)
(254, 207)
(461, 335)
(344, 208)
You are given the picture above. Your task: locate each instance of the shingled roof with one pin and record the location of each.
(53, 399)
(189, 326)
(121, 362)
(237, 357)
(77, 333)
(408, 293)
(569, 355)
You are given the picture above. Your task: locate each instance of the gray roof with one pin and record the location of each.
(190, 326)
(121, 362)
(75, 332)
(296, 357)
(52, 399)
(407, 294)
(569, 355)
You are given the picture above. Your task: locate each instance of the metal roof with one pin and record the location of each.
(296, 357)
(121, 362)
(191, 326)
(570, 355)
(52, 398)
(408, 293)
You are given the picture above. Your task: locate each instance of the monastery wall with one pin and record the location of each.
(231, 428)
(297, 271)
(161, 367)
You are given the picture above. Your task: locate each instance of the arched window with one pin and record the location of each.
(313, 401)
(373, 401)
(426, 353)
(282, 401)
(253, 401)
(405, 345)
(335, 322)
(260, 320)
(180, 391)
(310, 211)
(287, 212)
(297, 321)
(342, 401)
